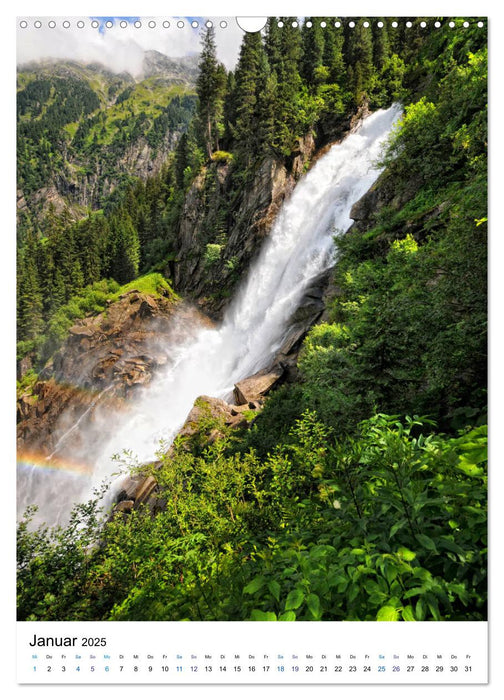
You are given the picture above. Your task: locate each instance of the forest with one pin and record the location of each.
(359, 491)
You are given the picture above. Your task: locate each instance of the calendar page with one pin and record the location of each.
(251, 349)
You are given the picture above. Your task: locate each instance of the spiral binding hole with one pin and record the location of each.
(109, 24)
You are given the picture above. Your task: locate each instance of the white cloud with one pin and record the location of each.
(121, 49)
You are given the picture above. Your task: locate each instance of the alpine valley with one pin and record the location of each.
(252, 315)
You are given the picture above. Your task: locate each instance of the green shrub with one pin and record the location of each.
(212, 254)
(222, 157)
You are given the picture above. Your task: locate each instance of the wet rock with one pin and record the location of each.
(204, 407)
(136, 490)
(124, 507)
(128, 488)
(136, 325)
(144, 490)
(238, 410)
(257, 386)
(134, 371)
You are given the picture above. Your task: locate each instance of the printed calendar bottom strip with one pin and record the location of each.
(250, 652)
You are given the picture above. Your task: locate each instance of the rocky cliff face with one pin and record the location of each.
(234, 222)
(222, 226)
(79, 188)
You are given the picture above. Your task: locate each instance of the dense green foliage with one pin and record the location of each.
(359, 491)
(409, 331)
(387, 524)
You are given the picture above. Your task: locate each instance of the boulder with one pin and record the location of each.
(252, 389)
(81, 330)
(205, 406)
(124, 507)
(145, 489)
(148, 307)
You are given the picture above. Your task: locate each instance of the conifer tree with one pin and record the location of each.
(58, 293)
(91, 238)
(210, 89)
(333, 52)
(312, 59)
(124, 248)
(381, 47)
(229, 110)
(272, 43)
(251, 74)
(288, 87)
(394, 34)
(267, 91)
(29, 295)
(360, 55)
(181, 160)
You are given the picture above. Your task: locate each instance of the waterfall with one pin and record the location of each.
(299, 247)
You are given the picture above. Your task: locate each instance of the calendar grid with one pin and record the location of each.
(203, 653)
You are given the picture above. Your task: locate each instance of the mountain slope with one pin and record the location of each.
(84, 131)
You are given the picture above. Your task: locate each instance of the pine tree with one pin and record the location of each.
(381, 48)
(333, 52)
(30, 320)
(229, 110)
(267, 95)
(288, 87)
(394, 34)
(124, 248)
(273, 42)
(251, 75)
(58, 294)
(210, 87)
(92, 246)
(360, 55)
(181, 160)
(312, 35)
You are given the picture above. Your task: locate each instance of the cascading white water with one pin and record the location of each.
(299, 248)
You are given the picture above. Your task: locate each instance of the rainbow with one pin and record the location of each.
(29, 459)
